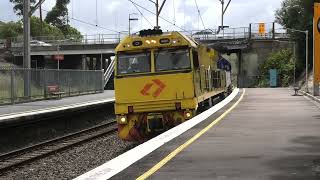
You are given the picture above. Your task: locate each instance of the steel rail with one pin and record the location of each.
(31, 153)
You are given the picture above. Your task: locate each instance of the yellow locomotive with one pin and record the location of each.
(160, 81)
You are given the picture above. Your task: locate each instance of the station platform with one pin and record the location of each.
(12, 113)
(265, 134)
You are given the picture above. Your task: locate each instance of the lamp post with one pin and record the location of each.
(307, 53)
(132, 19)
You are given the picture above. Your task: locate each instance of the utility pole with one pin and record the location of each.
(307, 57)
(158, 11)
(316, 47)
(307, 53)
(26, 48)
(41, 22)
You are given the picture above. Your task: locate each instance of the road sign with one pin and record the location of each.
(58, 57)
(316, 60)
(262, 28)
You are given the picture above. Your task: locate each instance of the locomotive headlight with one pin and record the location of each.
(148, 41)
(153, 41)
(187, 114)
(122, 120)
(175, 41)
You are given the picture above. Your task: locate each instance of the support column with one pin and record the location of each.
(240, 78)
(83, 63)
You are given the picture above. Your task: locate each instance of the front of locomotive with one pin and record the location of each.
(153, 84)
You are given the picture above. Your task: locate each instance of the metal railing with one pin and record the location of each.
(225, 34)
(71, 40)
(272, 31)
(68, 83)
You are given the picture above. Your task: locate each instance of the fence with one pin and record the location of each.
(68, 83)
(225, 34)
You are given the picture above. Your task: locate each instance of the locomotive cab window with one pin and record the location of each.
(133, 63)
(172, 59)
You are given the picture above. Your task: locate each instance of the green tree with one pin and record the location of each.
(284, 63)
(47, 29)
(18, 6)
(15, 29)
(58, 17)
(298, 14)
(10, 29)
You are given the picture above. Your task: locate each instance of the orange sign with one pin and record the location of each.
(262, 28)
(316, 22)
(146, 89)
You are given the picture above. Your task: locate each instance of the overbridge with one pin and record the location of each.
(245, 47)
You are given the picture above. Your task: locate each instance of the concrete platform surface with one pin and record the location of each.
(68, 102)
(270, 135)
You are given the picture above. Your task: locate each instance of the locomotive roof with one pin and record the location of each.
(163, 40)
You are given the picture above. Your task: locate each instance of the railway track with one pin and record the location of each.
(26, 155)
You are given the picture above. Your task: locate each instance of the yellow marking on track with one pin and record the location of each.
(190, 141)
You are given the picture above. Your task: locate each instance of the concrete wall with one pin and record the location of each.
(246, 69)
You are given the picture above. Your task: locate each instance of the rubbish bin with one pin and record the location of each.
(273, 77)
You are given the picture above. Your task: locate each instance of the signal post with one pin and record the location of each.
(316, 49)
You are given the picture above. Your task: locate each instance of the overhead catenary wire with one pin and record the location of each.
(159, 16)
(142, 14)
(95, 25)
(195, 1)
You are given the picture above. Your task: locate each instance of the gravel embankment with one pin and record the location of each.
(73, 162)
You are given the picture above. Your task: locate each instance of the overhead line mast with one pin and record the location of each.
(158, 11)
(159, 15)
(224, 9)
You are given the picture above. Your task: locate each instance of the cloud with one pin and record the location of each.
(113, 14)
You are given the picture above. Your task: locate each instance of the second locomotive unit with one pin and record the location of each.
(160, 81)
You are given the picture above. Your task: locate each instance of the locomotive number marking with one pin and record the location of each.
(156, 93)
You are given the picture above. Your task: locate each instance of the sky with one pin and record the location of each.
(110, 16)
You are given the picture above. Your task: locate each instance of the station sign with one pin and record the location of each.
(262, 28)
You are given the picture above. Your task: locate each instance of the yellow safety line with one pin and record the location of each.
(186, 144)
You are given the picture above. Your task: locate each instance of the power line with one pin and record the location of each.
(155, 14)
(95, 25)
(142, 14)
(200, 14)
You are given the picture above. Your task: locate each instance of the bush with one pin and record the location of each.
(281, 60)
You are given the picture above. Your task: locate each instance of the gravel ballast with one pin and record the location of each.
(73, 162)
